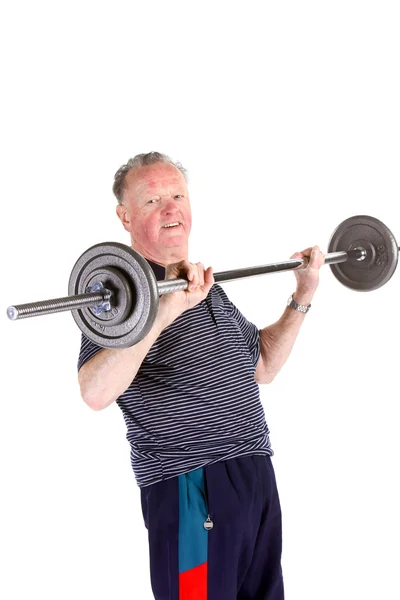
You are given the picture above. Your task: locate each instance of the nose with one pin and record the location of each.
(169, 206)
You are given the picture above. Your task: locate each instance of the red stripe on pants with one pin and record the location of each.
(193, 584)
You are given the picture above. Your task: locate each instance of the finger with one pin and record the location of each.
(315, 258)
(208, 279)
(303, 254)
(200, 269)
(192, 277)
(307, 252)
(321, 258)
(175, 270)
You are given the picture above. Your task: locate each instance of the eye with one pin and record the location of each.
(179, 196)
(152, 201)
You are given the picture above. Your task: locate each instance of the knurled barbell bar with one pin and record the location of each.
(114, 295)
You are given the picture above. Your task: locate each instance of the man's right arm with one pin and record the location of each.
(110, 372)
(107, 375)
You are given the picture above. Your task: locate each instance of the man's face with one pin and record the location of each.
(156, 210)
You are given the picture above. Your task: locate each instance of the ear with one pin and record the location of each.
(124, 216)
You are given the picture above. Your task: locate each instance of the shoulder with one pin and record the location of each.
(218, 292)
(218, 297)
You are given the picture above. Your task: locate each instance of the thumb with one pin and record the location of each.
(174, 270)
(314, 257)
(209, 277)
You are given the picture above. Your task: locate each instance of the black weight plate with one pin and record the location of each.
(140, 309)
(382, 253)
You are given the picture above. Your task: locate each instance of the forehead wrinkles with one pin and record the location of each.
(155, 185)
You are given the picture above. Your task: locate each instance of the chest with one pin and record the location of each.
(206, 334)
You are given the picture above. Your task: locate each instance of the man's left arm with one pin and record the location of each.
(277, 340)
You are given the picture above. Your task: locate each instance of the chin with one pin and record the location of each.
(173, 244)
(174, 241)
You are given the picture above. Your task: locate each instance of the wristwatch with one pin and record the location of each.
(300, 307)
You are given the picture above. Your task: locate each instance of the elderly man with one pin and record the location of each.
(189, 394)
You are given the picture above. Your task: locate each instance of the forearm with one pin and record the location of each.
(277, 340)
(109, 373)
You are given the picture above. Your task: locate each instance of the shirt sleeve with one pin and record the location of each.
(250, 332)
(88, 350)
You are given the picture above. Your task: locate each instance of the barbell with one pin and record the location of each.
(113, 293)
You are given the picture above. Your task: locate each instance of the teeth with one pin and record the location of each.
(171, 225)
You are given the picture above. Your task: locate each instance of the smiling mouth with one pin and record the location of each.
(171, 225)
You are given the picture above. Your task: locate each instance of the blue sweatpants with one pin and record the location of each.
(215, 533)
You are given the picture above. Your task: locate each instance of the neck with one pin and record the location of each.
(163, 256)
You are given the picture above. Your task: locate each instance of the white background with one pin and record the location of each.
(286, 115)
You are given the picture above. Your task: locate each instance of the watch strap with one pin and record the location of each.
(299, 307)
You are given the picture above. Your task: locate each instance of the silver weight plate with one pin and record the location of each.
(117, 330)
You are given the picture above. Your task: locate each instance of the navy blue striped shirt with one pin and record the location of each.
(194, 400)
